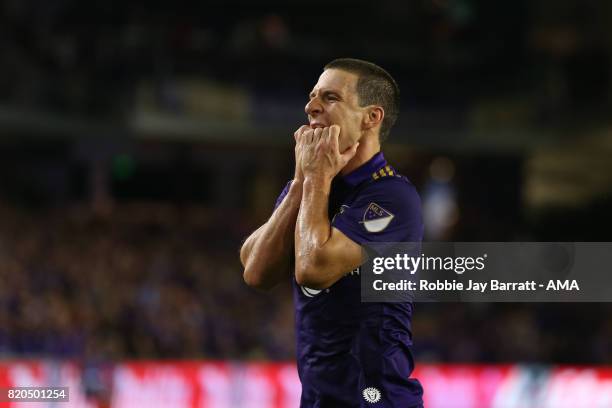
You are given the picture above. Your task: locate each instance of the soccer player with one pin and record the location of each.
(343, 194)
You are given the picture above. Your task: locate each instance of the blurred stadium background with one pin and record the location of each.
(140, 144)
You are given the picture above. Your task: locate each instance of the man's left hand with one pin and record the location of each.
(321, 155)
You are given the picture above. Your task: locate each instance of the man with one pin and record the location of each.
(343, 195)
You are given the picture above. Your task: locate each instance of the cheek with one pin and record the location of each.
(346, 140)
(353, 127)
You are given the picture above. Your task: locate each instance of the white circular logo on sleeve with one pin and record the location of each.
(371, 395)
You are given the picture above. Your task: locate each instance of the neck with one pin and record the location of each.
(368, 147)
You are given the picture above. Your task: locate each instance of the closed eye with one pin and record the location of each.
(329, 96)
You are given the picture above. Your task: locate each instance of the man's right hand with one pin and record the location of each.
(297, 135)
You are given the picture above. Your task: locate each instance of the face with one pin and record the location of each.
(334, 101)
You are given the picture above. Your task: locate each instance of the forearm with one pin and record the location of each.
(266, 253)
(313, 230)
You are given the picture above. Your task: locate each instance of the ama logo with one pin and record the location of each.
(376, 218)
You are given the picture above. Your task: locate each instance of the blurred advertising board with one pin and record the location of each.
(276, 385)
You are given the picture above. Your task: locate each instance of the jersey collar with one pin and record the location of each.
(365, 171)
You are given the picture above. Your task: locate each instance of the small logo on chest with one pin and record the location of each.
(371, 395)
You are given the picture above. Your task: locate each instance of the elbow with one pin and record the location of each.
(309, 274)
(256, 281)
(302, 278)
(244, 255)
(251, 280)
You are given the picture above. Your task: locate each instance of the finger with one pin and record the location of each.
(334, 138)
(307, 136)
(317, 134)
(334, 131)
(325, 134)
(331, 142)
(319, 139)
(300, 131)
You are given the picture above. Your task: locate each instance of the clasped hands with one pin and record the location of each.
(317, 153)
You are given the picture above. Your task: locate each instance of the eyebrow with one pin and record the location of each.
(326, 92)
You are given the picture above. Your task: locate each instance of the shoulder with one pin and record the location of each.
(386, 208)
(395, 190)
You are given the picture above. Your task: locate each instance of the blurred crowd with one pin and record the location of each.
(91, 59)
(162, 281)
(152, 281)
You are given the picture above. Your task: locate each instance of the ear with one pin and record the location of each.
(374, 117)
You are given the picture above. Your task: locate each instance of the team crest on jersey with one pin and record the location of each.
(371, 395)
(376, 218)
(310, 292)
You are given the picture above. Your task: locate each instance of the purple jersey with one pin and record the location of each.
(353, 354)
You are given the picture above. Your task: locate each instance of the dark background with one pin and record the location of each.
(140, 144)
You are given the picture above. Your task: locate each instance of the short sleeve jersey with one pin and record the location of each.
(345, 347)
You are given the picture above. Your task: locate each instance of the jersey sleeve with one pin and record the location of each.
(388, 210)
(282, 195)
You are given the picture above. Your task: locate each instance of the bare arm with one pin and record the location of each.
(323, 254)
(265, 255)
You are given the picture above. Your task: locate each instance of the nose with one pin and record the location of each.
(313, 107)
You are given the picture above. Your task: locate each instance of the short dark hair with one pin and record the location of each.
(375, 86)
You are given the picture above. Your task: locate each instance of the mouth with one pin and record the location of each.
(315, 125)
